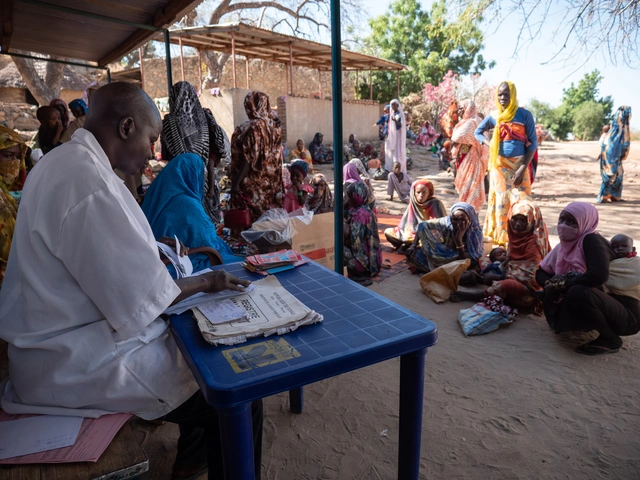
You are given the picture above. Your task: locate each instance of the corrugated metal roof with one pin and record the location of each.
(95, 31)
(253, 42)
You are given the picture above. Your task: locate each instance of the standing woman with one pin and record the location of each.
(256, 161)
(396, 143)
(511, 148)
(471, 170)
(189, 128)
(614, 149)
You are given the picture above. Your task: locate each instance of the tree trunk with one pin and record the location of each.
(43, 90)
(215, 65)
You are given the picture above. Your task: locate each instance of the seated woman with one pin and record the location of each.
(447, 239)
(528, 245)
(12, 157)
(427, 135)
(422, 206)
(573, 275)
(362, 254)
(321, 199)
(300, 152)
(173, 206)
(319, 152)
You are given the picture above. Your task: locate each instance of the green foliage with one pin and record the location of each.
(587, 120)
(430, 43)
(587, 91)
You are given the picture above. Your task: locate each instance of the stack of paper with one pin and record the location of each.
(266, 310)
(274, 262)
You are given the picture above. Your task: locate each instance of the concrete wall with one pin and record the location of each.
(303, 117)
(228, 108)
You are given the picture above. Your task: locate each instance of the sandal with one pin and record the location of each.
(386, 264)
(591, 349)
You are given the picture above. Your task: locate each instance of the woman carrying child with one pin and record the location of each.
(422, 206)
(572, 276)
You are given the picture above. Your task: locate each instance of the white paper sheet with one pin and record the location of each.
(37, 434)
(222, 312)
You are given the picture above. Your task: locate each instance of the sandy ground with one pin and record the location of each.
(518, 403)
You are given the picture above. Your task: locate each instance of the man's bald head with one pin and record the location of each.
(125, 121)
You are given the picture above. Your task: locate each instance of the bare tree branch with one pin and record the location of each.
(43, 90)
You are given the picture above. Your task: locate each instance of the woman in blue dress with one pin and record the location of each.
(614, 149)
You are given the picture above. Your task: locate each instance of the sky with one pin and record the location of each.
(535, 79)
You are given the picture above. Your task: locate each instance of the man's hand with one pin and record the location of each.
(219, 280)
(518, 177)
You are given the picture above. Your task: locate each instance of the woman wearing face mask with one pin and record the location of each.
(572, 276)
(12, 163)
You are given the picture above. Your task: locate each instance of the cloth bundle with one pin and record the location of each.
(624, 277)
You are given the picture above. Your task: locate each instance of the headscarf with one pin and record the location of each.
(173, 206)
(79, 104)
(505, 115)
(350, 173)
(450, 119)
(12, 173)
(321, 199)
(61, 106)
(301, 165)
(286, 177)
(617, 139)
(417, 213)
(569, 256)
(533, 243)
(397, 138)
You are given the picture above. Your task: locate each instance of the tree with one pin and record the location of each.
(297, 17)
(430, 43)
(133, 58)
(587, 120)
(585, 28)
(43, 89)
(587, 91)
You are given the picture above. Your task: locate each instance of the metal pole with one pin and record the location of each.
(336, 79)
(53, 60)
(320, 84)
(181, 58)
(247, 64)
(233, 55)
(167, 57)
(200, 69)
(291, 68)
(141, 68)
(370, 82)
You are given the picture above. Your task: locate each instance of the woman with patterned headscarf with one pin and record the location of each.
(12, 160)
(472, 159)
(362, 254)
(511, 150)
(614, 149)
(321, 199)
(62, 108)
(189, 128)
(423, 206)
(256, 159)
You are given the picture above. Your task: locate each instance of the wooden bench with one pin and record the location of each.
(124, 457)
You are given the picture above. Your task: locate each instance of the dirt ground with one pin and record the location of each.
(518, 403)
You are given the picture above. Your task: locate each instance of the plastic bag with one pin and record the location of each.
(479, 320)
(440, 283)
(277, 226)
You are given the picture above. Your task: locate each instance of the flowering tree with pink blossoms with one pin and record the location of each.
(437, 98)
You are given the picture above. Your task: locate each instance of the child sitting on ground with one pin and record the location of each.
(497, 268)
(399, 182)
(624, 270)
(50, 130)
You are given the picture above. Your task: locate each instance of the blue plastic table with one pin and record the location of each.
(360, 328)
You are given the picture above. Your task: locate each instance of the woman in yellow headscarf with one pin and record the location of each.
(12, 157)
(511, 148)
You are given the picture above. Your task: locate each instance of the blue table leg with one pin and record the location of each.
(296, 400)
(237, 442)
(410, 433)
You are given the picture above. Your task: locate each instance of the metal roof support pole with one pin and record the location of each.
(371, 82)
(200, 69)
(233, 57)
(181, 58)
(247, 65)
(320, 84)
(291, 68)
(167, 57)
(141, 69)
(53, 60)
(336, 80)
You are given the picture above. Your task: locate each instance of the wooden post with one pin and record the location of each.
(233, 55)
(141, 69)
(291, 67)
(371, 82)
(355, 87)
(247, 60)
(200, 69)
(181, 58)
(320, 84)
(398, 75)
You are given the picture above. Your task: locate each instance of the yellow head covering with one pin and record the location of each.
(503, 115)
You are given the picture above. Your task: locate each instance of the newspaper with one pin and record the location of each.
(270, 309)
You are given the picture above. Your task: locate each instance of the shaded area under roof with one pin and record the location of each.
(95, 31)
(253, 42)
